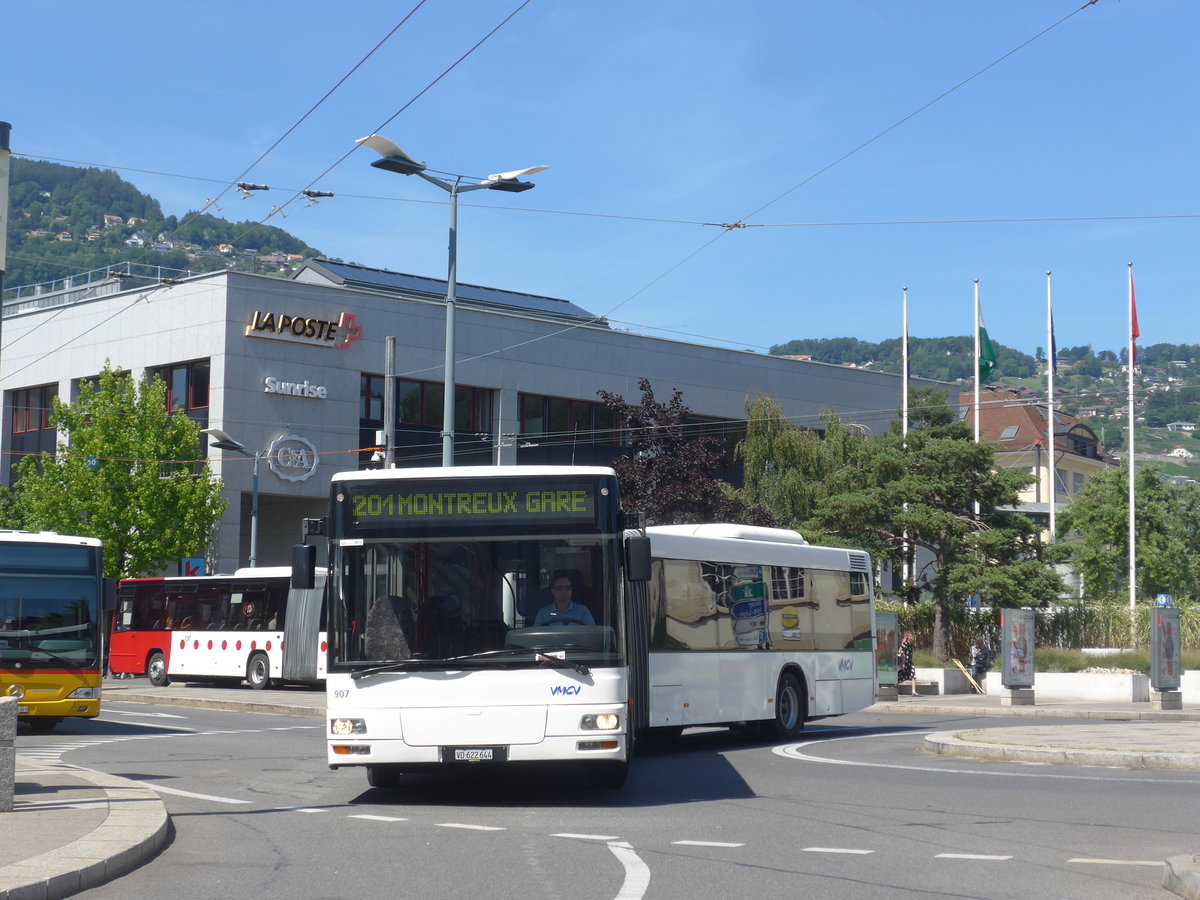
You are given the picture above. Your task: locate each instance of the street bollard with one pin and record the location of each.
(8, 752)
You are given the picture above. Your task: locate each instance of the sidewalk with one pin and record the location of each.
(72, 828)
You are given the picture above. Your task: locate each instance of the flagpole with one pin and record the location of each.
(1050, 397)
(977, 360)
(904, 364)
(1132, 359)
(906, 568)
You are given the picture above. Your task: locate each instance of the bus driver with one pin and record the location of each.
(563, 610)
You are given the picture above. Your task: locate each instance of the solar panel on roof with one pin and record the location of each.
(469, 294)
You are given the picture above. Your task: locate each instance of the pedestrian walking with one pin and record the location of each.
(904, 662)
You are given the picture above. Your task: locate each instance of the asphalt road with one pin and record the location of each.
(855, 810)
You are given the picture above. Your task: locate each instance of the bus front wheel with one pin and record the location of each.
(383, 777)
(791, 708)
(258, 671)
(43, 723)
(156, 670)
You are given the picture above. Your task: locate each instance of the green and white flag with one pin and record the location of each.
(987, 356)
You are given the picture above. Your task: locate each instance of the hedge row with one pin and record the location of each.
(1103, 624)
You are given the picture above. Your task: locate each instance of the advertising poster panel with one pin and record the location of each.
(886, 646)
(1164, 649)
(1016, 648)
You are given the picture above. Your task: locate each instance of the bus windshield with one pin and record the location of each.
(481, 602)
(48, 605)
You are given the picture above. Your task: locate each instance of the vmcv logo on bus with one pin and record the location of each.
(560, 689)
(845, 665)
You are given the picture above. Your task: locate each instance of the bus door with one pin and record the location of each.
(302, 626)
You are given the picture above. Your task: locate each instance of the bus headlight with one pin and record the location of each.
(347, 726)
(88, 693)
(601, 722)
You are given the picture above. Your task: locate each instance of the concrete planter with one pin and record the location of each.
(1098, 687)
(948, 681)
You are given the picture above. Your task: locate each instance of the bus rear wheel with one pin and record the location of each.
(156, 670)
(791, 709)
(258, 671)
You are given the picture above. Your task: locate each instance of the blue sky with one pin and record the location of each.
(656, 117)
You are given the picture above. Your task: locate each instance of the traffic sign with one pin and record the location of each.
(191, 566)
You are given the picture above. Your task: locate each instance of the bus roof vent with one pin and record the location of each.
(730, 530)
(860, 562)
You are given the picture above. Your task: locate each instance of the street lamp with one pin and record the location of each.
(396, 160)
(225, 442)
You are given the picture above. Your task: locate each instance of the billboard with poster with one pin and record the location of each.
(1164, 649)
(1016, 647)
(886, 646)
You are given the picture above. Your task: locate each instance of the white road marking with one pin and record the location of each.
(706, 844)
(587, 837)
(469, 827)
(852, 850)
(145, 715)
(377, 818)
(637, 873)
(984, 856)
(1118, 862)
(305, 809)
(160, 789)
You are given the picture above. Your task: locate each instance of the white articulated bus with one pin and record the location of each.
(492, 615)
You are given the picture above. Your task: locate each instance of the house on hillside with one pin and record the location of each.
(1181, 426)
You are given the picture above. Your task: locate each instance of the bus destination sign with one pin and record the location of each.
(439, 505)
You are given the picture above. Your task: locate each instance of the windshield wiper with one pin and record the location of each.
(402, 666)
(408, 665)
(538, 655)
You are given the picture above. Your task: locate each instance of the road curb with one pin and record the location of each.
(238, 705)
(947, 743)
(1181, 875)
(134, 830)
(1032, 712)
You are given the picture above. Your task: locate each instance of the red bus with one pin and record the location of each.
(250, 625)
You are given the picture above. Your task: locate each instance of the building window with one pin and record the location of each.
(31, 409)
(419, 414)
(187, 385)
(562, 419)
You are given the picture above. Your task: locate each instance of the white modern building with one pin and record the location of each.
(294, 371)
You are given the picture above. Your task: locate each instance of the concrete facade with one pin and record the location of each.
(229, 323)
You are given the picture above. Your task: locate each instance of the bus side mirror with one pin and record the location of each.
(637, 558)
(304, 566)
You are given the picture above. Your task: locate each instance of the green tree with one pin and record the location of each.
(150, 498)
(884, 492)
(1168, 534)
(786, 467)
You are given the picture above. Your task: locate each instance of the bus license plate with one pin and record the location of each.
(474, 754)
(21, 710)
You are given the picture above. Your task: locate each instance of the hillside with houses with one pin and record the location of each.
(65, 220)
(1092, 385)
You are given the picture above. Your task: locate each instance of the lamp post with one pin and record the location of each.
(396, 160)
(225, 442)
